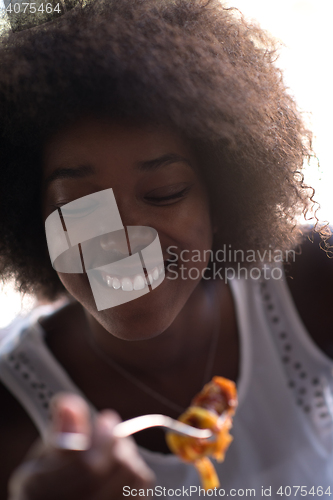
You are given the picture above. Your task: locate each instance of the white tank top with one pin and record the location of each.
(283, 427)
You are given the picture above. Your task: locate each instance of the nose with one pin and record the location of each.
(115, 242)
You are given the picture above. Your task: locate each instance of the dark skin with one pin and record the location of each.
(171, 328)
(183, 222)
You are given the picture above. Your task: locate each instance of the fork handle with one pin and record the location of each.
(79, 442)
(133, 425)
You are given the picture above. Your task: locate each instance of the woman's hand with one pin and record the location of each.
(99, 473)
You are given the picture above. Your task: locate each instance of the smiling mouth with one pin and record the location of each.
(137, 282)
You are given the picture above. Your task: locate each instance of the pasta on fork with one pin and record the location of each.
(213, 408)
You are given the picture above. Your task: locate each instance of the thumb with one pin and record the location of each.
(70, 414)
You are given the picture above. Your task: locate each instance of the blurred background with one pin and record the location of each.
(304, 28)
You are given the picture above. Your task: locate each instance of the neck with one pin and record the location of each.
(187, 336)
(172, 363)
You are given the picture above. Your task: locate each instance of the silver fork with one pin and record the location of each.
(80, 442)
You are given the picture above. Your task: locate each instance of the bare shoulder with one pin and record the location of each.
(310, 279)
(17, 434)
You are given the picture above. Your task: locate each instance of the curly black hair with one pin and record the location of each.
(194, 65)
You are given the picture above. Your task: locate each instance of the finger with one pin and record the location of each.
(100, 455)
(70, 413)
(123, 449)
(116, 460)
(71, 426)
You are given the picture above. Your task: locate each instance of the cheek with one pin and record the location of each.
(197, 229)
(192, 242)
(78, 286)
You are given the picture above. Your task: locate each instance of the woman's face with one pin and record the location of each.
(153, 174)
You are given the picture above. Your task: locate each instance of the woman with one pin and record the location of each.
(178, 108)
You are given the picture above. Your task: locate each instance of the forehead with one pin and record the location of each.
(102, 143)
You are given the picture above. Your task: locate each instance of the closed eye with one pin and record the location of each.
(167, 198)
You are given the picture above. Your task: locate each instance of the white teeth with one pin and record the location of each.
(126, 285)
(139, 282)
(155, 273)
(116, 283)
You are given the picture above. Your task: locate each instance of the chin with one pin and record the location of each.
(143, 318)
(140, 319)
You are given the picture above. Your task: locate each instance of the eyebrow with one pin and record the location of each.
(83, 171)
(69, 173)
